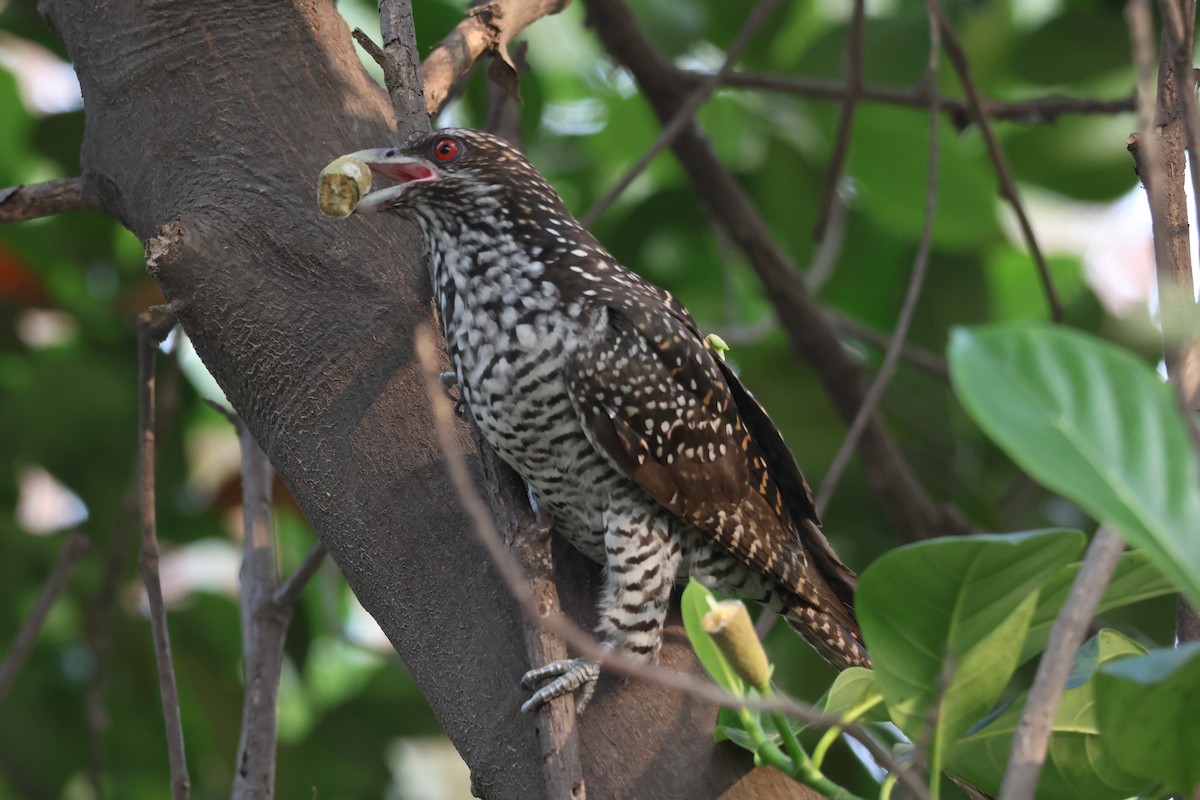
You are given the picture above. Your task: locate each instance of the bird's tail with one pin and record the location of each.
(835, 636)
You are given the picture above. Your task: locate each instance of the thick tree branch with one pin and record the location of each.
(488, 28)
(20, 203)
(149, 335)
(913, 513)
(1032, 735)
(73, 551)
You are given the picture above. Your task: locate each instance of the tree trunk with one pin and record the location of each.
(206, 125)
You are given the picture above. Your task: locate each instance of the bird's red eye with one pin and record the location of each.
(445, 149)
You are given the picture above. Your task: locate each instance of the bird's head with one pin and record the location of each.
(456, 172)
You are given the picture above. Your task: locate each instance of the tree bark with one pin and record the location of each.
(206, 126)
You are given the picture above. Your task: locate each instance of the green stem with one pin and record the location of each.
(764, 748)
(885, 791)
(790, 742)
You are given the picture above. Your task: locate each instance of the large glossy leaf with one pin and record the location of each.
(1077, 767)
(1093, 423)
(960, 603)
(1148, 714)
(1134, 580)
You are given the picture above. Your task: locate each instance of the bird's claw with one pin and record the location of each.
(576, 674)
(449, 380)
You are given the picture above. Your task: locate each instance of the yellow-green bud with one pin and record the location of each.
(341, 185)
(717, 344)
(730, 626)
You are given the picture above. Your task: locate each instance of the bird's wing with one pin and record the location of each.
(668, 413)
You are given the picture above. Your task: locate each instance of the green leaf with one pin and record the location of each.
(888, 165)
(854, 689)
(1147, 711)
(694, 605)
(966, 601)
(1076, 768)
(1093, 423)
(1134, 580)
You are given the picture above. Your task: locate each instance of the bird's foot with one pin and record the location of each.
(576, 674)
(449, 380)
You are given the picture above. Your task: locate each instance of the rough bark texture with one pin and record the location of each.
(206, 127)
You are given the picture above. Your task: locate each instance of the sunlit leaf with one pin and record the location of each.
(944, 621)
(1092, 422)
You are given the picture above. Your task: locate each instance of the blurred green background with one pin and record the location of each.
(84, 714)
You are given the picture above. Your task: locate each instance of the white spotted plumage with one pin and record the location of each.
(597, 389)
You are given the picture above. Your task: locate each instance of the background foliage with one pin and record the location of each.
(350, 718)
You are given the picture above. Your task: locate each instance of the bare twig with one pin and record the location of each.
(916, 281)
(264, 627)
(1008, 188)
(487, 28)
(20, 203)
(829, 251)
(148, 337)
(73, 550)
(1034, 110)
(854, 73)
(1032, 735)
(516, 583)
(925, 360)
(686, 112)
(912, 512)
(289, 591)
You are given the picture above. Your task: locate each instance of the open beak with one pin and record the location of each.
(399, 170)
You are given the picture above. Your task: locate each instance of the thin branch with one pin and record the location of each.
(488, 28)
(516, 583)
(1008, 188)
(687, 111)
(289, 591)
(1035, 110)
(1032, 735)
(148, 562)
(910, 509)
(833, 176)
(916, 281)
(925, 360)
(264, 627)
(397, 58)
(21, 203)
(73, 551)
(1178, 48)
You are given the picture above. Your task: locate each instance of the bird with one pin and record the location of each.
(599, 390)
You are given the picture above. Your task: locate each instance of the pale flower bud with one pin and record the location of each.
(730, 626)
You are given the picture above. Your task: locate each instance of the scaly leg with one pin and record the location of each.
(642, 559)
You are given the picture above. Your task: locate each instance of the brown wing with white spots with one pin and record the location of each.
(656, 399)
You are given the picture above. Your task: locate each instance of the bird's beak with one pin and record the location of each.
(401, 170)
